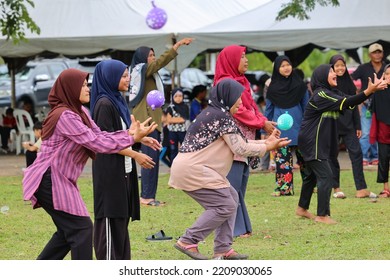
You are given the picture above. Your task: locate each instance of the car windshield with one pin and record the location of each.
(24, 74)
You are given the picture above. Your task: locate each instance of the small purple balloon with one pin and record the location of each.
(155, 99)
(156, 18)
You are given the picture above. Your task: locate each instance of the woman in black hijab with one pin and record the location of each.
(286, 93)
(317, 139)
(349, 129)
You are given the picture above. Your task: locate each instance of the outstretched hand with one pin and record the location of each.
(274, 142)
(151, 142)
(140, 130)
(378, 84)
(270, 127)
(274, 135)
(185, 41)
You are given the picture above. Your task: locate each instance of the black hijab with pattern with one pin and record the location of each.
(215, 120)
(181, 107)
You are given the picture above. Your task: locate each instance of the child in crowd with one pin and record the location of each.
(9, 123)
(177, 114)
(199, 101)
(33, 149)
(286, 93)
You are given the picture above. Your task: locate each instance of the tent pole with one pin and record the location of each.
(174, 72)
(12, 75)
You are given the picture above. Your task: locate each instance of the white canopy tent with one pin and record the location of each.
(89, 27)
(350, 25)
(86, 27)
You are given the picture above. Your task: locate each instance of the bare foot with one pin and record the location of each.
(245, 235)
(145, 201)
(362, 193)
(304, 213)
(325, 220)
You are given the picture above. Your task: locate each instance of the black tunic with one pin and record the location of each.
(317, 137)
(112, 199)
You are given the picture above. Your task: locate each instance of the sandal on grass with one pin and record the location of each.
(154, 203)
(385, 193)
(339, 195)
(231, 255)
(366, 194)
(158, 236)
(196, 255)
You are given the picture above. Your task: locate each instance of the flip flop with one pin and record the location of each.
(384, 193)
(158, 236)
(369, 195)
(155, 203)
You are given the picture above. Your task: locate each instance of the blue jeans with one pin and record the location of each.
(149, 177)
(370, 151)
(176, 138)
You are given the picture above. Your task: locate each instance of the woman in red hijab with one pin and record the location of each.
(233, 63)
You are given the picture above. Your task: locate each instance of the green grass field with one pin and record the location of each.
(361, 233)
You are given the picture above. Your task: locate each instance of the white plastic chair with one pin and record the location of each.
(24, 130)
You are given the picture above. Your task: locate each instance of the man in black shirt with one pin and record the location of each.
(375, 65)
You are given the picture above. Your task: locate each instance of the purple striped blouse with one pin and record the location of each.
(65, 153)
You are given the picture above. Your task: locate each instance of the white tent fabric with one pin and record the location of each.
(84, 27)
(352, 24)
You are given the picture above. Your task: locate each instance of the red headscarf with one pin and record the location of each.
(65, 95)
(227, 67)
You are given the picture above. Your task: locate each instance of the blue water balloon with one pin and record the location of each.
(285, 121)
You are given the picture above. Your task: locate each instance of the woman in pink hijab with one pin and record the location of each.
(233, 63)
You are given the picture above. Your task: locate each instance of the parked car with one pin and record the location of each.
(33, 83)
(189, 78)
(88, 65)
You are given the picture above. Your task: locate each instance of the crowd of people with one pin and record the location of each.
(219, 136)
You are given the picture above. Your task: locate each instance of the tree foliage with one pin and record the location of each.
(299, 8)
(14, 19)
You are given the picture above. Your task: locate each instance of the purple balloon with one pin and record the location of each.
(156, 18)
(155, 99)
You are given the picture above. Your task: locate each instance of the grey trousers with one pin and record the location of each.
(220, 214)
